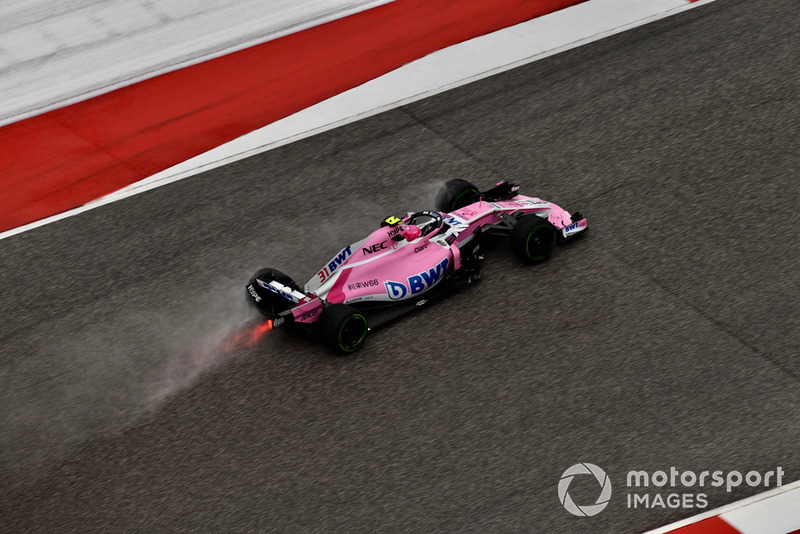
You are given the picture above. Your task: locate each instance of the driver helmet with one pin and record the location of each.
(411, 232)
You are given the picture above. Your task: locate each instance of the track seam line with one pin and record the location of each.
(452, 143)
(716, 322)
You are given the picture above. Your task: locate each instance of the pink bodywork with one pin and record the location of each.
(387, 267)
(481, 213)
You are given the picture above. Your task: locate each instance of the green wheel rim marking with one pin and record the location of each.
(528, 240)
(360, 340)
(455, 201)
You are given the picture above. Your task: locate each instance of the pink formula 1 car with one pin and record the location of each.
(411, 260)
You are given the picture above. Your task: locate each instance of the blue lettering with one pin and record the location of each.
(277, 291)
(343, 256)
(415, 283)
(339, 259)
(456, 224)
(425, 280)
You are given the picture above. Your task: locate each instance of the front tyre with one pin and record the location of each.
(455, 194)
(533, 239)
(343, 328)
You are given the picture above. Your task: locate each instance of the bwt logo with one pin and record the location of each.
(395, 290)
(339, 258)
(590, 509)
(417, 283)
(426, 279)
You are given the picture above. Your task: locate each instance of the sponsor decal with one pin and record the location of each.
(253, 293)
(534, 203)
(374, 248)
(574, 227)
(278, 321)
(308, 315)
(334, 264)
(426, 279)
(395, 290)
(417, 283)
(360, 299)
(363, 284)
(441, 241)
(456, 223)
(421, 248)
(394, 231)
(277, 291)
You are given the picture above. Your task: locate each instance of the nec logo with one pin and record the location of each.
(374, 248)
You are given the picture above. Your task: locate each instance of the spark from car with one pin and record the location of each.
(246, 337)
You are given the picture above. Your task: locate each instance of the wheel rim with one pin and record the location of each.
(352, 333)
(455, 203)
(540, 243)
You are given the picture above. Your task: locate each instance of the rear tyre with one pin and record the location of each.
(270, 304)
(455, 194)
(533, 239)
(343, 328)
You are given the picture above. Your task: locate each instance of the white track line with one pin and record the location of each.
(438, 72)
(771, 512)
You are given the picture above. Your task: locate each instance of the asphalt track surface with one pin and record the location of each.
(668, 336)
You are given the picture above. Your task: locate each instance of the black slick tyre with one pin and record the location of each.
(343, 328)
(268, 303)
(533, 239)
(456, 194)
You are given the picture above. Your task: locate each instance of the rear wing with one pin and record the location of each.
(306, 307)
(283, 291)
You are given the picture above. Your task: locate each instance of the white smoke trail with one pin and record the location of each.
(103, 380)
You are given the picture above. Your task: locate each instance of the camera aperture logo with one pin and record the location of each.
(589, 509)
